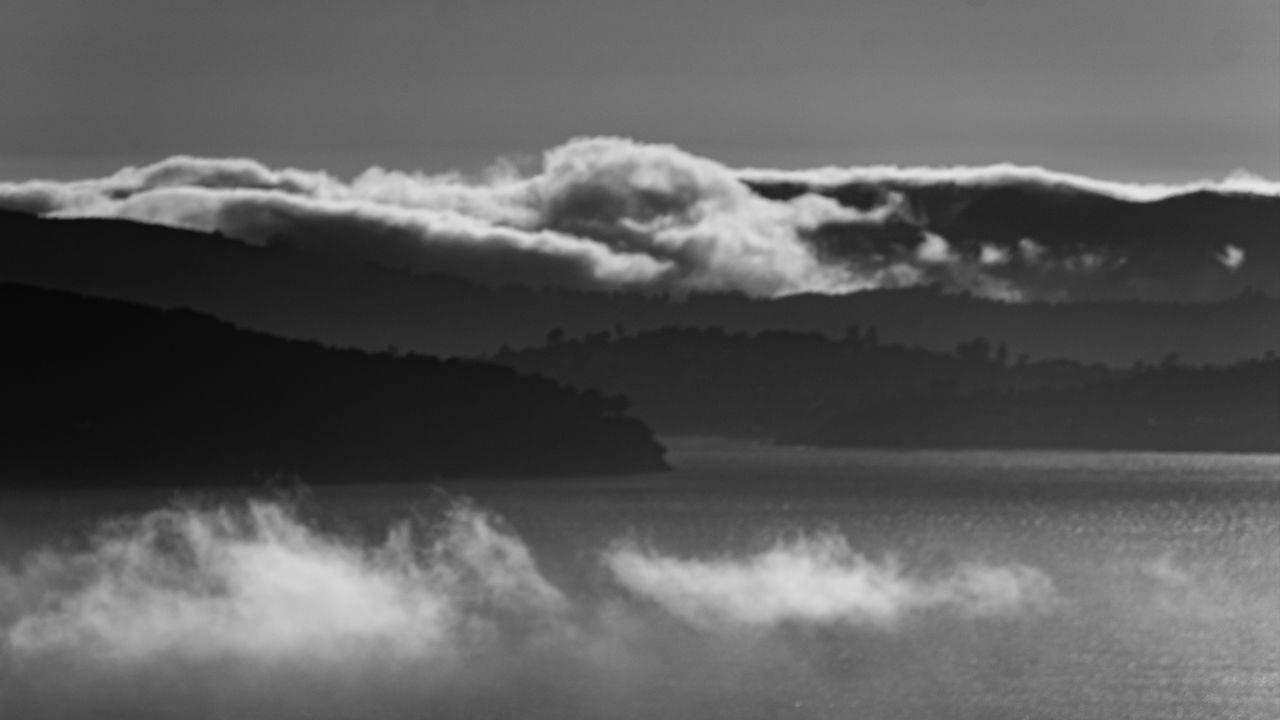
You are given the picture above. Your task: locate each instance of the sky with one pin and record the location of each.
(1137, 90)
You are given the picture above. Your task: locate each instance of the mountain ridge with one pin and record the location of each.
(291, 293)
(108, 391)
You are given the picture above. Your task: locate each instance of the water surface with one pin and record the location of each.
(751, 582)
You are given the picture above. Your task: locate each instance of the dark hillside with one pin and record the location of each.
(709, 381)
(291, 293)
(807, 388)
(1174, 407)
(102, 389)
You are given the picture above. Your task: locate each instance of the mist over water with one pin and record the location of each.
(826, 585)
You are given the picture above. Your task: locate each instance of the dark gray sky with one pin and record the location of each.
(1130, 89)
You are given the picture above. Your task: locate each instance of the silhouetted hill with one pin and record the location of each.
(97, 390)
(1231, 409)
(709, 381)
(294, 294)
(807, 388)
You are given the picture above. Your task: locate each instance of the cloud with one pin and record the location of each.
(253, 610)
(601, 214)
(991, 255)
(1232, 257)
(934, 249)
(615, 214)
(1239, 182)
(1035, 233)
(819, 581)
(257, 584)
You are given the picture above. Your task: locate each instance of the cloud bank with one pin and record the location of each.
(616, 214)
(821, 580)
(258, 584)
(254, 611)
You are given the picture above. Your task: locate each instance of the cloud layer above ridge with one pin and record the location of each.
(616, 214)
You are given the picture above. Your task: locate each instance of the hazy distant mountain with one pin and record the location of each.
(804, 387)
(706, 381)
(101, 391)
(304, 295)
(1174, 407)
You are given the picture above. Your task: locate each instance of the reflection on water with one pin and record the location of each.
(752, 582)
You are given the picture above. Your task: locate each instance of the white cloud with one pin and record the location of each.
(820, 580)
(612, 214)
(992, 255)
(934, 250)
(258, 584)
(601, 213)
(989, 176)
(252, 611)
(1232, 257)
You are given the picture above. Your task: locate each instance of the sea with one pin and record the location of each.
(752, 581)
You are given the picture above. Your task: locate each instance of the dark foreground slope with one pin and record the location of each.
(97, 389)
(288, 292)
(1217, 409)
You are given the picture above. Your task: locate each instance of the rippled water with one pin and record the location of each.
(751, 582)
